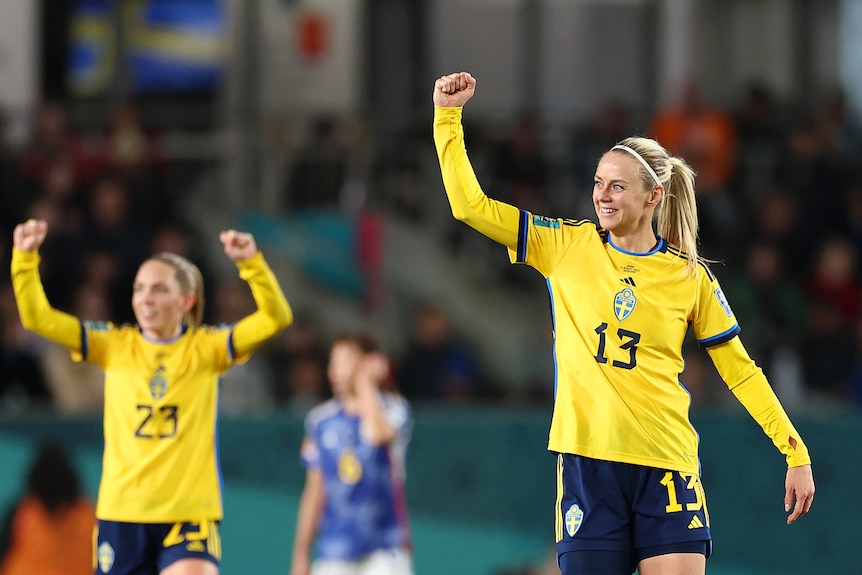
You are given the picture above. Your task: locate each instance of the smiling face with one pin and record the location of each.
(623, 203)
(158, 301)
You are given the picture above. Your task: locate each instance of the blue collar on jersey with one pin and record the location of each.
(660, 246)
(183, 329)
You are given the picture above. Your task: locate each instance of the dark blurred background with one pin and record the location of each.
(136, 126)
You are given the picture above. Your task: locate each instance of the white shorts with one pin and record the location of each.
(381, 562)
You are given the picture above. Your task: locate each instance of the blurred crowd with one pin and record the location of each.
(780, 196)
(110, 200)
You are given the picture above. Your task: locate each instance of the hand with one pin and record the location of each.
(238, 246)
(372, 369)
(799, 484)
(28, 237)
(454, 90)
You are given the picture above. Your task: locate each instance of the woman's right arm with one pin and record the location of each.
(497, 220)
(35, 311)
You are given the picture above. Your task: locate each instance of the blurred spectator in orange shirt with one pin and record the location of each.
(706, 137)
(703, 134)
(50, 531)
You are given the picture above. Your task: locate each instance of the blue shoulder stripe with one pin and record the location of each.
(720, 338)
(523, 228)
(84, 347)
(231, 350)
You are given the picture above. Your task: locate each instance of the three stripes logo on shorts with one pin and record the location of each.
(696, 523)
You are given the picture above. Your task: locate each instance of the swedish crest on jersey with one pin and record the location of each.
(624, 303)
(158, 384)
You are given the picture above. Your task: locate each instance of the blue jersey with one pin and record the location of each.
(365, 506)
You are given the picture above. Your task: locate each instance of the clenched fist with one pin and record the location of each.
(454, 90)
(28, 237)
(238, 246)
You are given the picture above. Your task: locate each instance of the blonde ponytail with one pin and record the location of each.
(677, 213)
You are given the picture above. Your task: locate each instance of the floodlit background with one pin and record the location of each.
(136, 126)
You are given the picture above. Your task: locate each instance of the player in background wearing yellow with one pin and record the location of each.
(160, 496)
(623, 297)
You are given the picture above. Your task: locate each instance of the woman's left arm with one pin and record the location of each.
(273, 313)
(750, 386)
(748, 383)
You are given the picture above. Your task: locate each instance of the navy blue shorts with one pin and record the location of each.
(632, 509)
(147, 548)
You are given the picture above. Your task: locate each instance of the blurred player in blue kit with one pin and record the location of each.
(353, 503)
(160, 496)
(623, 297)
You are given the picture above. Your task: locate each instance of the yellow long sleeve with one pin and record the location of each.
(497, 220)
(273, 312)
(35, 311)
(748, 383)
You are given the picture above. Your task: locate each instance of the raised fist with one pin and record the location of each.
(28, 236)
(454, 90)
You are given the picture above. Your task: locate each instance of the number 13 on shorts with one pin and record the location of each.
(677, 490)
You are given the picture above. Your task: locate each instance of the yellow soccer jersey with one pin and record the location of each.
(160, 462)
(619, 324)
(619, 319)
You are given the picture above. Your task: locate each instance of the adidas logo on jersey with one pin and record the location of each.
(696, 523)
(629, 280)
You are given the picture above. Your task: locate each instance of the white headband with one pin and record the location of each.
(641, 160)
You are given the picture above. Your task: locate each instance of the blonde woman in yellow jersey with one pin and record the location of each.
(623, 298)
(159, 501)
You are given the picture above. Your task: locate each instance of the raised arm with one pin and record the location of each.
(273, 313)
(747, 382)
(376, 429)
(497, 220)
(35, 311)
